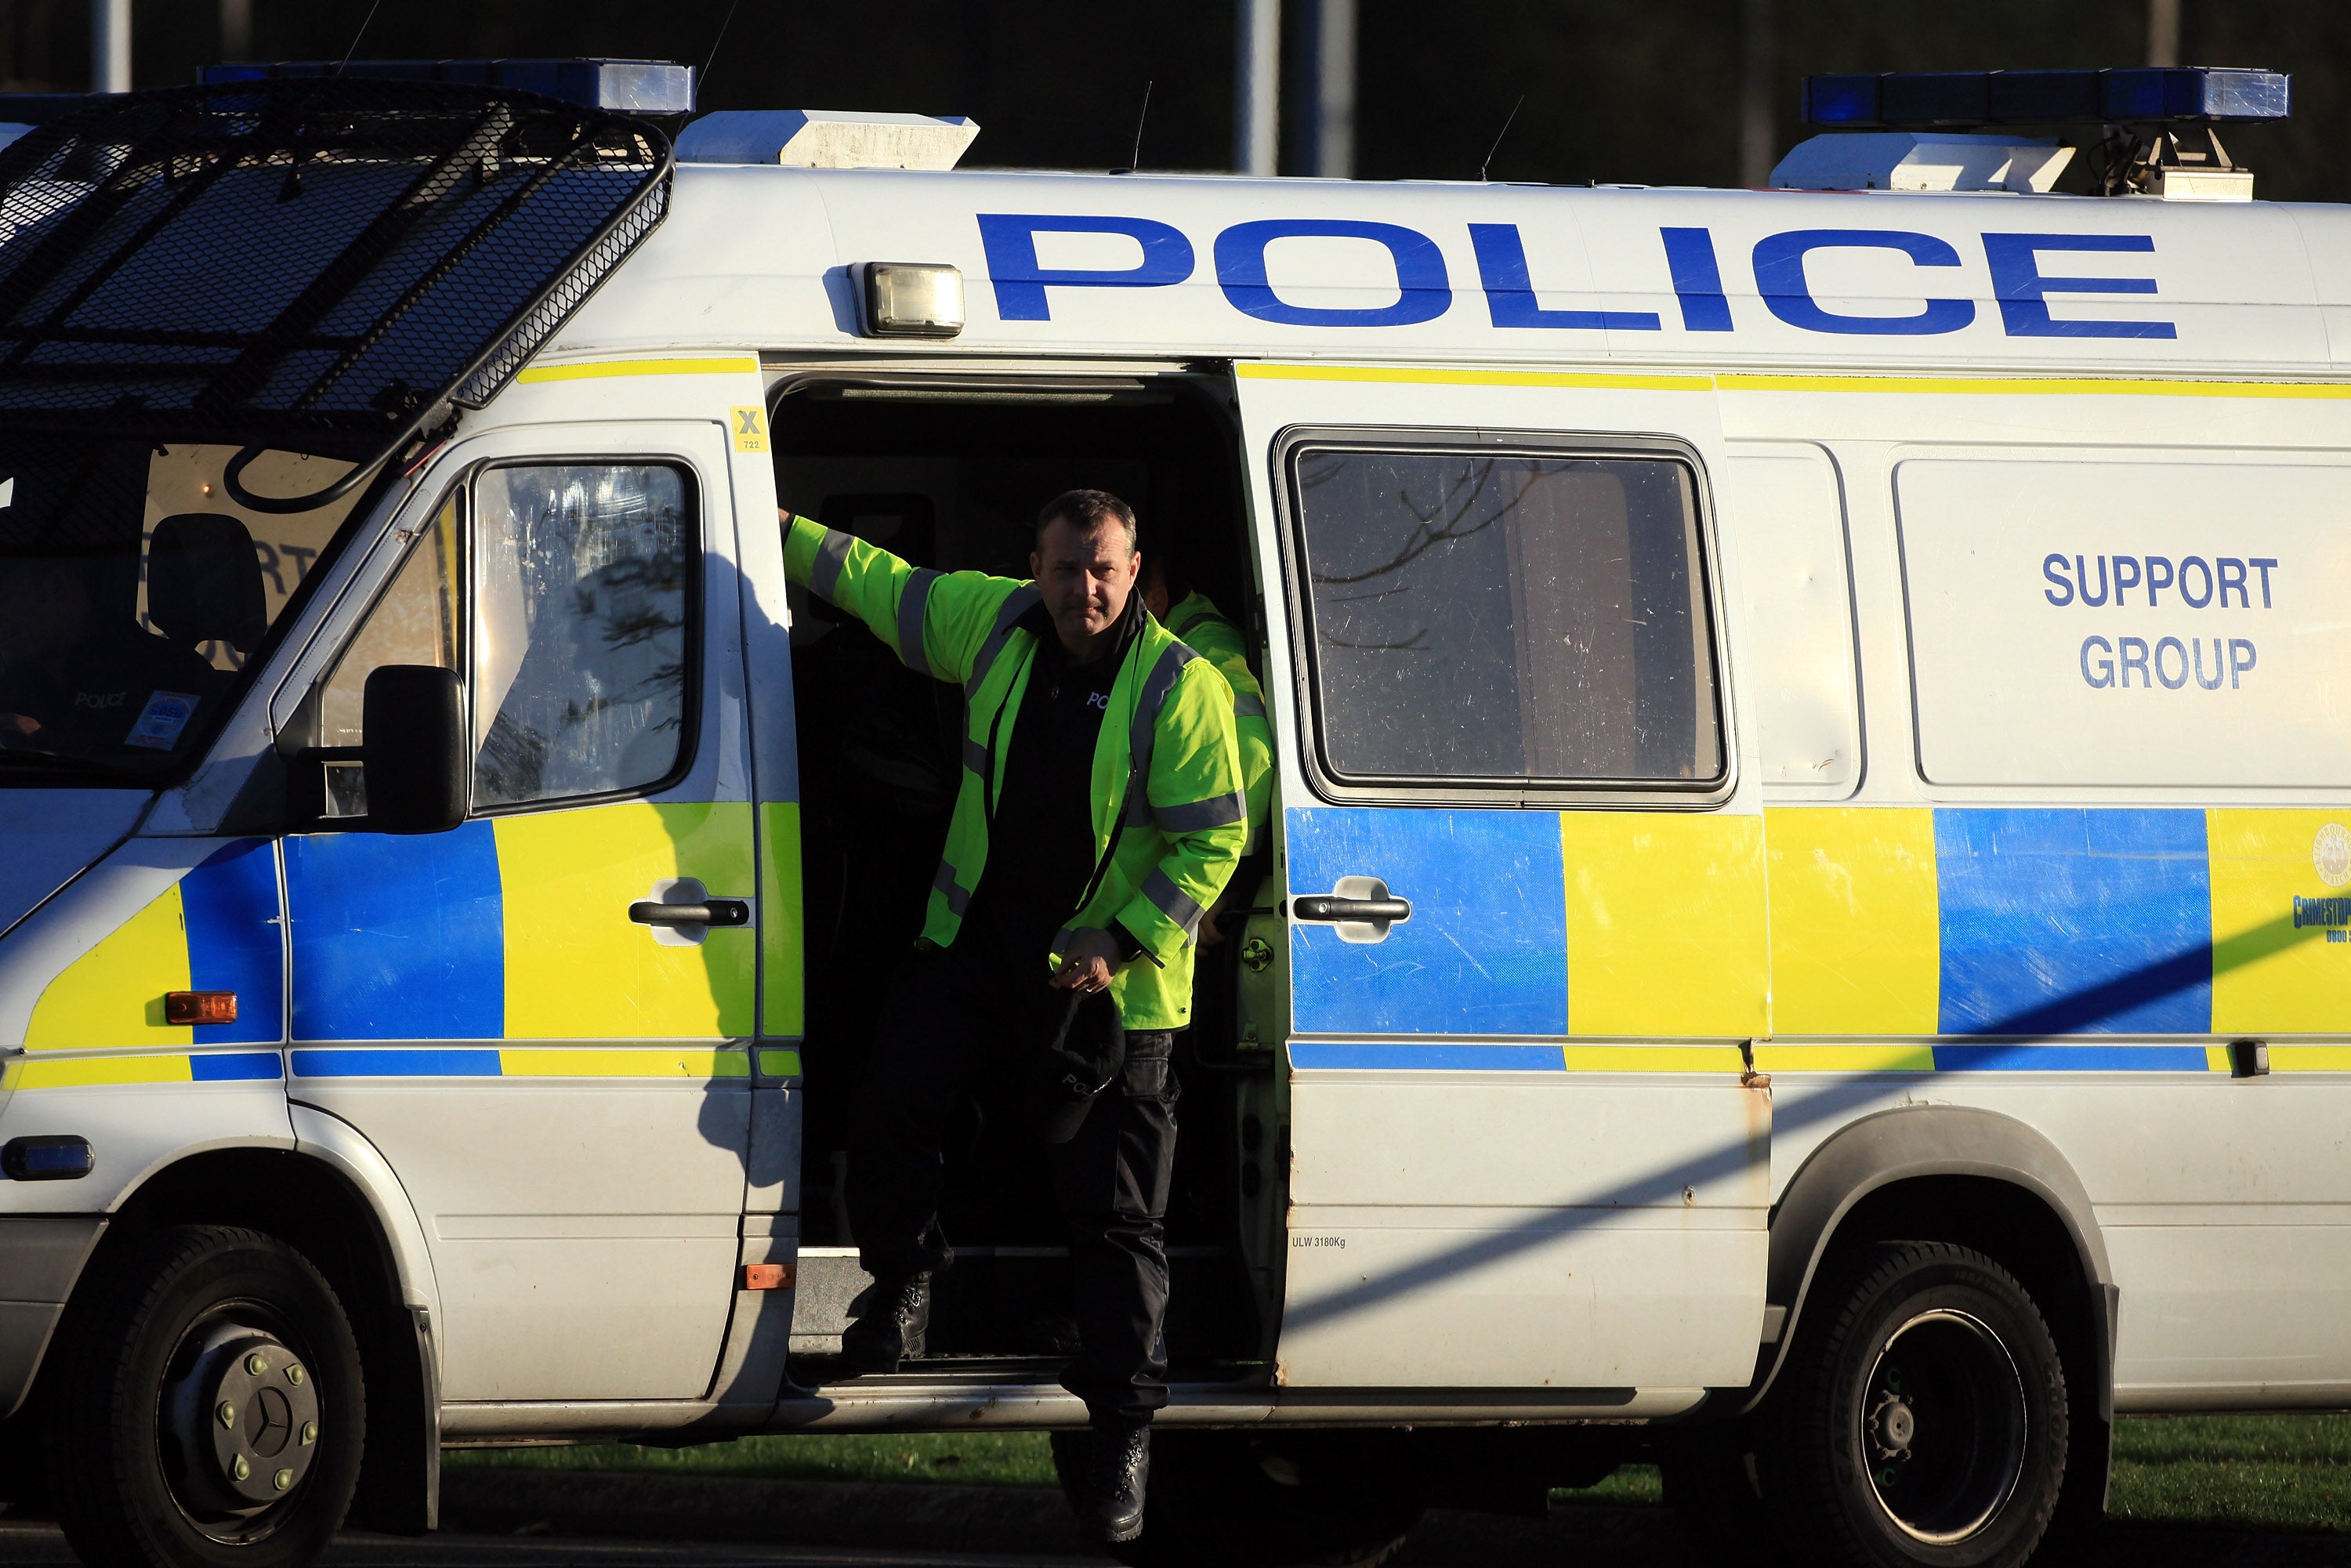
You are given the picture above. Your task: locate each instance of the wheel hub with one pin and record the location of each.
(1943, 1427)
(246, 1417)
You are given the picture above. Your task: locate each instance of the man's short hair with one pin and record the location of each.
(1086, 511)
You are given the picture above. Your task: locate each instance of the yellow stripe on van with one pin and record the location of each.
(699, 1064)
(113, 994)
(2307, 1059)
(1418, 375)
(2268, 976)
(780, 1063)
(2030, 386)
(1856, 944)
(85, 1071)
(1723, 1059)
(576, 966)
(1872, 1057)
(784, 1008)
(592, 369)
(1666, 923)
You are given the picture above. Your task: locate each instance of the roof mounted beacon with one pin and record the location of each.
(1923, 130)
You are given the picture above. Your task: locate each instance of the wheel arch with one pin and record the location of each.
(1962, 1164)
(322, 1199)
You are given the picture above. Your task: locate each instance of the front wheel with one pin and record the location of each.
(1923, 1422)
(1248, 1500)
(209, 1409)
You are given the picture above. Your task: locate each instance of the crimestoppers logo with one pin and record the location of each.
(2330, 854)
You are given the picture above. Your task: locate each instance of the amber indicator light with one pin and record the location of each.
(768, 1276)
(199, 1007)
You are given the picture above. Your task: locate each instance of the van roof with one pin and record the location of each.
(756, 257)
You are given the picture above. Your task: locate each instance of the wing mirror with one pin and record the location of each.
(415, 761)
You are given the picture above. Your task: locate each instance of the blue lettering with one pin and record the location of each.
(2198, 562)
(2232, 575)
(2104, 675)
(2121, 583)
(2135, 661)
(2241, 658)
(1010, 240)
(2054, 567)
(1780, 277)
(2156, 585)
(2083, 572)
(2220, 665)
(1420, 273)
(2262, 564)
(1698, 280)
(2023, 293)
(1510, 295)
(2171, 683)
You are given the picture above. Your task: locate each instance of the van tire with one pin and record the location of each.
(1246, 1499)
(1921, 1419)
(181, 1326)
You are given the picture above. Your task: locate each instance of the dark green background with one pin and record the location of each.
(1634, 90)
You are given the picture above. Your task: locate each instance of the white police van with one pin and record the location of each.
(1804, 933)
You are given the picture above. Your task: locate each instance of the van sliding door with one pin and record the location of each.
(1525, 877)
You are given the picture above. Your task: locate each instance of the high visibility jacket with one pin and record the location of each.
(1205, 630)
(1167, 757)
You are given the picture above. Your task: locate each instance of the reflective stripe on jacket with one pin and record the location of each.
(1166, 751)
(1205, 630)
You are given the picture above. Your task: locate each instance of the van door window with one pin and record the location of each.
(580, 621)
(1496, 617)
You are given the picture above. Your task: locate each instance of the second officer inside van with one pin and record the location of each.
(1102, 811)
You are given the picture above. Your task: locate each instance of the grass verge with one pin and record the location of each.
(2273, 1472)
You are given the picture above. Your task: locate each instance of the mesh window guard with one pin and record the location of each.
(256, 262)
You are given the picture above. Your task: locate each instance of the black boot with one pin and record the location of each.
(1117, 1470)
(897, 1316)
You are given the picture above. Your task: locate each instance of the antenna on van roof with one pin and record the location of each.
(365, 23)
(1134, 159)
(1496, 147)
(708, 65)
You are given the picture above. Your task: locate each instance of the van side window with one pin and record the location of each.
(582, 590)
(1494, 617)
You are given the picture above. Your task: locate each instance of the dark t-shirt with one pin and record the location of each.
(1040, 851)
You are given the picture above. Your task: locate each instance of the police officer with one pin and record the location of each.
(1194, 617)
(1100, 811)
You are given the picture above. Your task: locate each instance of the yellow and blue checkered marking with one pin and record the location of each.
(1932, 939)
(518, 928)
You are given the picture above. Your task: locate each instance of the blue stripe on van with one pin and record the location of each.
(2071, 1059)
(1486, 949)
(397, 937)
(236, 942)
(234, 1066)
(2074, 922)
(1416, 1058)
(427, 1062)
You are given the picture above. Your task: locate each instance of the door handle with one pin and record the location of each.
(1361, 908)
(1328, 908)
(709, 912)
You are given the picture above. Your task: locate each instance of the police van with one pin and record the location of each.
(1804, 936)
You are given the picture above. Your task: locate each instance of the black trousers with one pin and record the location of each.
(951, 1017)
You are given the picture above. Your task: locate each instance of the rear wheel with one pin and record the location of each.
(1923, 1422)
(209, 1409)
(1247, 1500)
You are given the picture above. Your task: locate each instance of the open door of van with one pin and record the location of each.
(1525, 886)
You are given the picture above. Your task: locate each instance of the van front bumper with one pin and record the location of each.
(40, 1257)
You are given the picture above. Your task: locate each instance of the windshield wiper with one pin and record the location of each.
(54, 762)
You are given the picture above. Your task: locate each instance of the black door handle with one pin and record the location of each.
(709, 912)
(1325, 906)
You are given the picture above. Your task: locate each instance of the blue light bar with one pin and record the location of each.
(627, 86)
(1922, 100)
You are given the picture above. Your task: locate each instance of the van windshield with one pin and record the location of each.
(135, 596)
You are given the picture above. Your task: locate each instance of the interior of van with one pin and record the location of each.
(951, 476)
